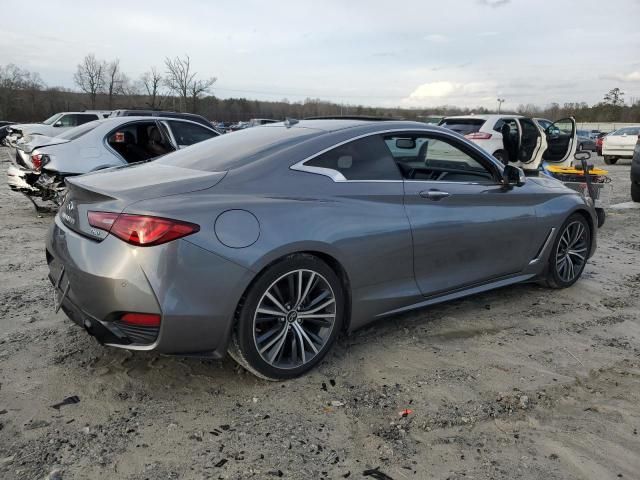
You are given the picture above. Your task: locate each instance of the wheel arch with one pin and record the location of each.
(321, 251)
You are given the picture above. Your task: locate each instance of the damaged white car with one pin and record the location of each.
(52, 126)
(42, 163)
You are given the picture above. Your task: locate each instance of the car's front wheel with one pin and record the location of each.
(289, 318)
(570, 252)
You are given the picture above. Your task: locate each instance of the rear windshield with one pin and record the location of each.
(463, 125)
(627, 131)
(233, 150)
(77, 132)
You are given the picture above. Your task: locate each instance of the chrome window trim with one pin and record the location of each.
(340, 178)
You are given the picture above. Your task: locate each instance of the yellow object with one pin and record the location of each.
(574, 171)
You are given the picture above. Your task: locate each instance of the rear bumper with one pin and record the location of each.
(195, 292)
(618, 152)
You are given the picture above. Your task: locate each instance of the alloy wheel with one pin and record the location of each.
(294, 319)
(571, 254)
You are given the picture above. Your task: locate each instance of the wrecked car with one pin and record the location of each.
(43, 163)
(52, 126)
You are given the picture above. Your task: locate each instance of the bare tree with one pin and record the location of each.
(115, 80)
(198, 87)
(152, 82)
(90, 77)
(181, 80)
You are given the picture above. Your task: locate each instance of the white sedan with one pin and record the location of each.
(620, 144)
(43, 163)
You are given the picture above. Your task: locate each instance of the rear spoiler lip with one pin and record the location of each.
(128, 197)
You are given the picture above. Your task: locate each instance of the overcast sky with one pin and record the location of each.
(410, 53)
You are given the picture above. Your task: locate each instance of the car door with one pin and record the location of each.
(531, 144)
(187, 133)
(561, 137)
(467, 228)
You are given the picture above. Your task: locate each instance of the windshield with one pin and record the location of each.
(238, 148)
(627, 131)
(77, 132)
(463, 126)
(51, 120)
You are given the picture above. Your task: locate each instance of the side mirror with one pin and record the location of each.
(57, 124)
(406, 143)
(513, 176)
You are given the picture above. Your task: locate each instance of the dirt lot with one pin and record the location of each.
(523, 383)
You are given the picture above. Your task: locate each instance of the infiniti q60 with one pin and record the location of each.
(271, 241)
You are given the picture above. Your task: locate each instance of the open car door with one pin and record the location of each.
(561, 142)
(531, 144)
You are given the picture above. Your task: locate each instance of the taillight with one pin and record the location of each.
(36, 160)
(478, 136)
(141, 230)
(141, 319)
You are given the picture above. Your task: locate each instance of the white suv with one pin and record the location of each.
(521, 140)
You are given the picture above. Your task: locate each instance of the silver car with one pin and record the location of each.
(52, 126)
(271, 241)
(43, 163)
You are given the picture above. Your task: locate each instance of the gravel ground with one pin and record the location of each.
(521, 382)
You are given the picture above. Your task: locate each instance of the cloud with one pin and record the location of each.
(448, 92)
(437, 38)
(494, 3)
(624, 77)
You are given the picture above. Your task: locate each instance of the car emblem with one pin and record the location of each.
(70, 206)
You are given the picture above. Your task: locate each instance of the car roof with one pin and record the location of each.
(483, 116)
(334, 125)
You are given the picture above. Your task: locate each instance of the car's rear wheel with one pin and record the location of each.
(610, 160)
(635, 191)
(289, 319)
(570, 252)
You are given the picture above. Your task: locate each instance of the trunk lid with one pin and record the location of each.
(620, 140)
(31, 142)
(114, 189)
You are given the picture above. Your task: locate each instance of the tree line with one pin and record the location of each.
(102, 85)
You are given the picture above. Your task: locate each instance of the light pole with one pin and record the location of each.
(500, 102)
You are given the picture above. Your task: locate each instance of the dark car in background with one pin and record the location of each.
(161, 113)
(585, 141)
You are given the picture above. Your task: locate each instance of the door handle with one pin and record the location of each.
(434, 195)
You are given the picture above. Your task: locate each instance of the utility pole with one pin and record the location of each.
(500, 102)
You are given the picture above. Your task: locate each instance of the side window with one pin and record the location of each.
(364, 159)
(67, 121)
(188, 133)
(421, 157)
(81, 119)
(138, 141)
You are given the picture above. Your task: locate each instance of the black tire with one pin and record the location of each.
(501, 155)
(602, 216)
(556, 277)
(609, 160)
(243, 346)
(635, 191)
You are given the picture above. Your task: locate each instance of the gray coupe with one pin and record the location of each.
(271, 241)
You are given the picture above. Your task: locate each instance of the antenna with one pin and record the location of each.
(290, 122)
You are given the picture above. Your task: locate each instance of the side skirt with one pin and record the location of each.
(462, 293)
